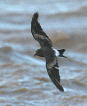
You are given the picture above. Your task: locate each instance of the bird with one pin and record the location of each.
(47, 51)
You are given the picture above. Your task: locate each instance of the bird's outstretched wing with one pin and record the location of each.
(53, 72)
(38, 32)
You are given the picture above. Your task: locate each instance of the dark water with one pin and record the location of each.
(23, 77)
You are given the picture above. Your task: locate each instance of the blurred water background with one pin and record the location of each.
(23, 77)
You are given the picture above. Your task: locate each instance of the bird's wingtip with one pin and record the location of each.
(62, 90)
(35, 16)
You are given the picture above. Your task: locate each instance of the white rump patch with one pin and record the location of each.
(56, 52)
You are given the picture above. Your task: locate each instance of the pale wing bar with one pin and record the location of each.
(38, 32)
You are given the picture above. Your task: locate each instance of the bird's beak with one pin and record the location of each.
(35, 54)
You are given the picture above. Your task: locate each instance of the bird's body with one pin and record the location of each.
(47, 51)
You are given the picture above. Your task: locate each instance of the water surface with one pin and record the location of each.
(23, 77)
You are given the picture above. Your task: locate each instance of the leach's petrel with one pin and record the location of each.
(47, 51)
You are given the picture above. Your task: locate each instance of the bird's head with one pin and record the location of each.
(36, 53)
(39, 52)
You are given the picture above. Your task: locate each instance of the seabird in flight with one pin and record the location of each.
(47, 51)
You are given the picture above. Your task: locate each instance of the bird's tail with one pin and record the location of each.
(61, 52)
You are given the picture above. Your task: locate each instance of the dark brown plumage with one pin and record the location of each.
(47, 51)
(38, 32)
